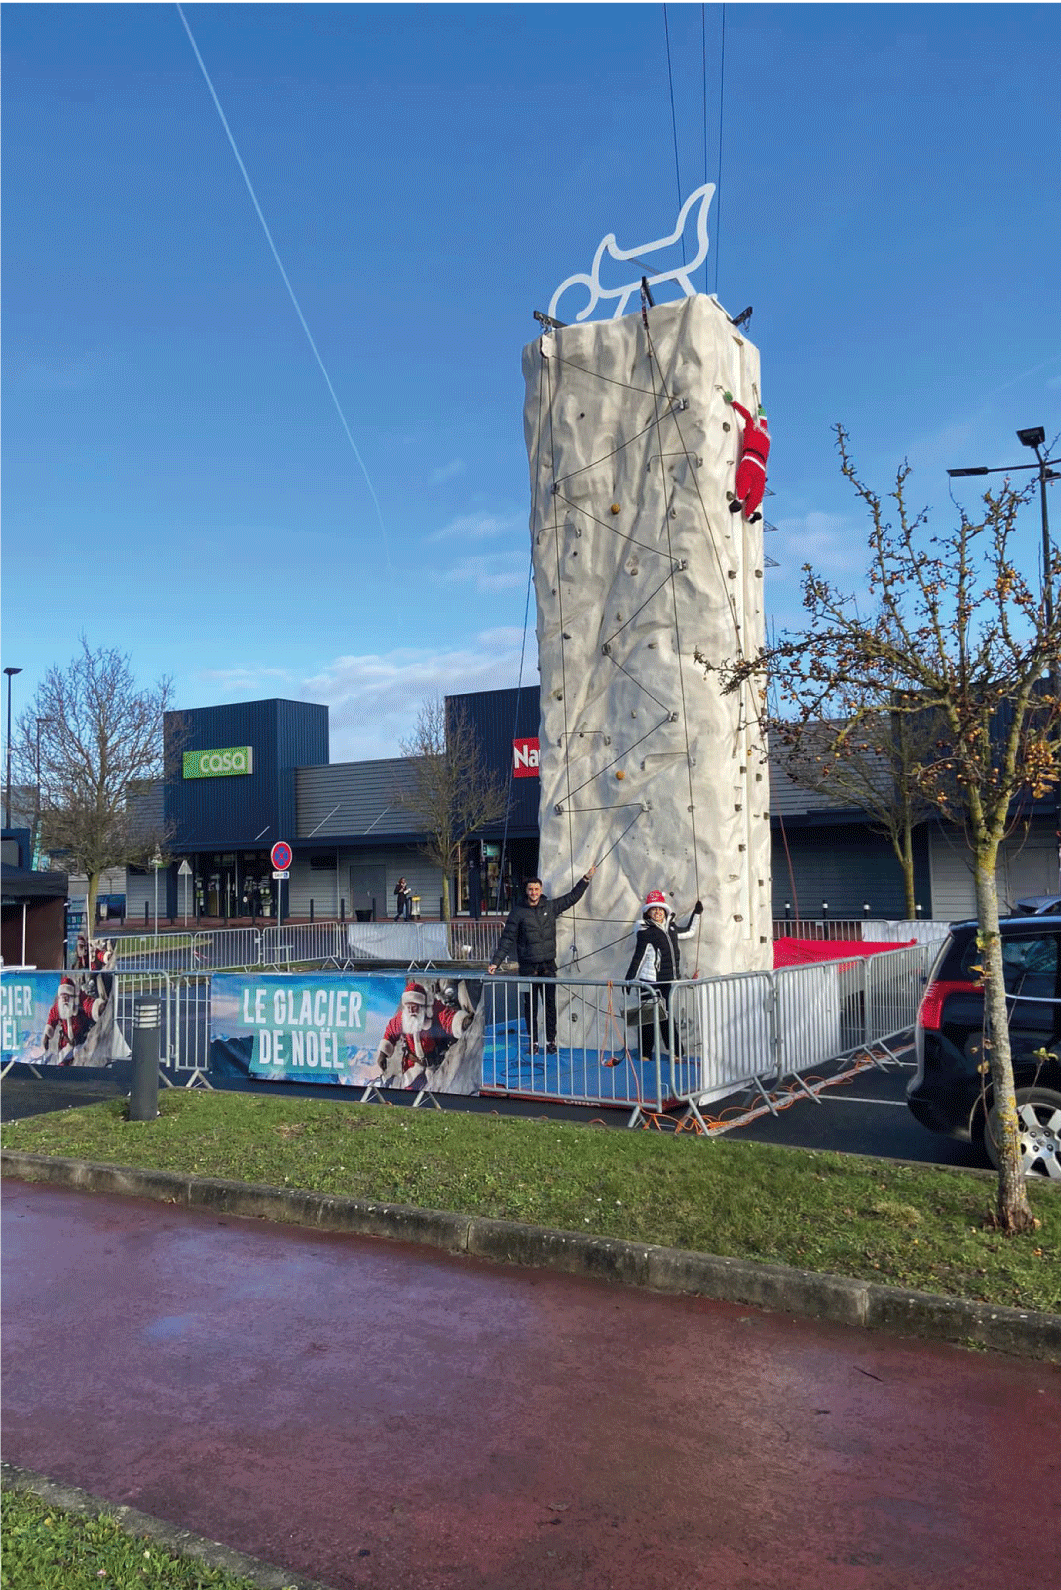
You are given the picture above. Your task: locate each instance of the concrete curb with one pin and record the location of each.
(776, 1287)
(179, 1542)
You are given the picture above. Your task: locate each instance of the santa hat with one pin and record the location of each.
(66, 986)
(414, 994)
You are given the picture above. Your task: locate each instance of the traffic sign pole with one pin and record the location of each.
(281, 857)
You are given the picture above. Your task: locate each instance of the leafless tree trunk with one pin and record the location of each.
(100, 739)
(952, 628)
(453, 793)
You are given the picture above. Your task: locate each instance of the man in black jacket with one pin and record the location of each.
(530, 935)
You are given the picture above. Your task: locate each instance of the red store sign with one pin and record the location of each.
(525, 758)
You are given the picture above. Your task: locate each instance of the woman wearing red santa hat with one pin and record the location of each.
(656, 964)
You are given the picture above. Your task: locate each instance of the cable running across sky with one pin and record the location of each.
(287, 284)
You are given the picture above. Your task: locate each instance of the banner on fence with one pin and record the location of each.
(60, 1019)
(399, 1031)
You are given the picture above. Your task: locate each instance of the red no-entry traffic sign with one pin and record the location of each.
(280, 855)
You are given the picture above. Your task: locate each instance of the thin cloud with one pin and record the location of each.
(243, 678)
(498, 571)
(444, 472)
(374, 699)
(827, 540)
(480, 527)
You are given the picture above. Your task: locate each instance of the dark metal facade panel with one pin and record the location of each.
(210, 814)
(499, 717)
(301, 741)
(353, 801)
(788, 799)
(146, 806)
(848, 867)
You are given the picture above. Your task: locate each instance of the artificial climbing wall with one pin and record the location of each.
(646, 768)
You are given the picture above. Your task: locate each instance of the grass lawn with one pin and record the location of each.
(46, 1548)
(917, 1226)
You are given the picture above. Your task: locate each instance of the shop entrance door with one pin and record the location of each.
(368, 883)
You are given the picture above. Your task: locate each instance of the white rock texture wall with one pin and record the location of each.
(646, 768)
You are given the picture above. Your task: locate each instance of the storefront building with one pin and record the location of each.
(241, 776)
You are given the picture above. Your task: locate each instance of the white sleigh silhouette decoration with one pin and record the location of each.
(681, 274)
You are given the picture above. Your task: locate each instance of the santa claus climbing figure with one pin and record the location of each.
(751, 465)
(420, 1032)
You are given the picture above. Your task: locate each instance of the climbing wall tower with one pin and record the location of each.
(646, 768)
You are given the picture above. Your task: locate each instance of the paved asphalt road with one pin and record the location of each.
(374, 1415)
(867, 1115)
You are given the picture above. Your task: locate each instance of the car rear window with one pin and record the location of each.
(1029, 964)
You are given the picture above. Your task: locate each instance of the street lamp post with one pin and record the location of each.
(1034, 436)
(10, 672)
(37, 807)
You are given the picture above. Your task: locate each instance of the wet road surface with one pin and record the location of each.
(374, 1415)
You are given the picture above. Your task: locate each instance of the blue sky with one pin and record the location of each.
(177, 480)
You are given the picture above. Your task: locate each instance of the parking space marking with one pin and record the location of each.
(851, 1098)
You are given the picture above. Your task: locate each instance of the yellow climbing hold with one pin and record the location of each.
(615, 507)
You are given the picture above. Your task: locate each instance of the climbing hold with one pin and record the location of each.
(615, 507)
(619, 773)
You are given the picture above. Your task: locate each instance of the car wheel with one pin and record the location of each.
(1039, 1119)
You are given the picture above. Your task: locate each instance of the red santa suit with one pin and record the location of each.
(73, 1021)
(403, 1045)
(751, 466)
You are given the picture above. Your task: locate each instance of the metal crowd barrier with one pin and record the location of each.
(185, 1039)
(301, 943)
(723, 1035)
(474, 938)
(720, 1035)
(229, 949)
(596, 1059)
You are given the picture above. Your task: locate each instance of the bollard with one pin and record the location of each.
(311, 910)
(147, 1035)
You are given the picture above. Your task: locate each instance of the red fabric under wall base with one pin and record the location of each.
(797, 952)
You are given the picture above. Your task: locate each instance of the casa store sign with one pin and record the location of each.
(525, 759)
(219, 764)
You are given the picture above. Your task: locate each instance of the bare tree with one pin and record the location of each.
(452, 793)
(871, 763)
(953, 628)
(92, 739)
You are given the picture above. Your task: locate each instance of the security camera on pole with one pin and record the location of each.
(280, 856)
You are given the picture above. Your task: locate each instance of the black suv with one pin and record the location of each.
(948, 1093)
